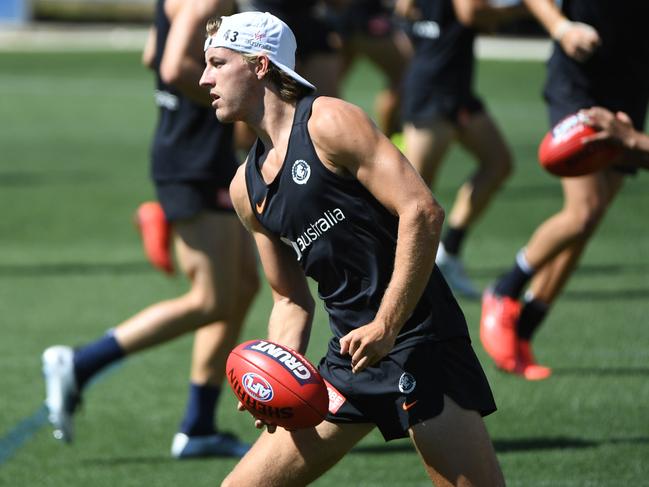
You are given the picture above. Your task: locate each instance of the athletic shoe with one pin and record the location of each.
(156, 235)
(62, 395)
(217, 445)
(526, 364)
(498, 329)
(453, 271)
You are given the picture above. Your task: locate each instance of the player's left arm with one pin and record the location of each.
(182, 63)
(350, 144)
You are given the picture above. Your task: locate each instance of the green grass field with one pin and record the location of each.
(74, 139)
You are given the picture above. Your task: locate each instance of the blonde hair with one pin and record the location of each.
(288, 88)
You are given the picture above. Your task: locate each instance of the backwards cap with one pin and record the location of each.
(255, 32)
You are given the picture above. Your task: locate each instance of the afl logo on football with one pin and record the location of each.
(300, 171)
(257, 387)
(407, 383)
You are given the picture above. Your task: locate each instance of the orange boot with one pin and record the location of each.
(498, 329)
(526, 364)
(156, 235)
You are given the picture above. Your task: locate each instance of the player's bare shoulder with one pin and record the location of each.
(332, 118)
(340, 130)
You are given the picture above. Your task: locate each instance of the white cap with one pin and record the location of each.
(255, 32)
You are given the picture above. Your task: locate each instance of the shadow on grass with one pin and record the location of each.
(73, 268)
(515, 445)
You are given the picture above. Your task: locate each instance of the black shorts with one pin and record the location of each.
(408, 387)
(181, 200)
(566, 96)
(426, 100)
(364, 17)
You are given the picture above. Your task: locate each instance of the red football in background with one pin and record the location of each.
(563, 153)
(277, 384)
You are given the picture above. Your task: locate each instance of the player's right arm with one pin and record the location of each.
(293, 306)
(578, 40)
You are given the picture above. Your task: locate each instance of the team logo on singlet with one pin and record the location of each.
(407, 383)
(300, 171)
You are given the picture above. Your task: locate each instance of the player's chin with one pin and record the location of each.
(224, 116)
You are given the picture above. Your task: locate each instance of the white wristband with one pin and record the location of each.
(560, 30)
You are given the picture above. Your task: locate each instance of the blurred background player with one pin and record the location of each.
(600, 57)
(192, 164)
(318, 56)
(440, 107)
(367, 28)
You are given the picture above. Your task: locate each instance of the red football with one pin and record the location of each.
(563, 153)
(277, 384)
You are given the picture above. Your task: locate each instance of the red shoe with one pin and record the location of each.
(498, 329)
(156, 235)
(526, 364)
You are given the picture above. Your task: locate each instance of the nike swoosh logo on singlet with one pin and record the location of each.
(261, 205)
(407, 406)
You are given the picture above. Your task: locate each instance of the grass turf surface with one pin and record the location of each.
(73, 166)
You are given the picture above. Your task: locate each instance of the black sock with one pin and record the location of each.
(453, 239)
(199, 415)
(531, 317)
(91, 358)
(512, 283)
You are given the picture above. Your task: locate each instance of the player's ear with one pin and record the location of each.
(262, 66)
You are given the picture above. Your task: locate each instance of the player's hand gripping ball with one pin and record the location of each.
(277, 384)
(563, 153)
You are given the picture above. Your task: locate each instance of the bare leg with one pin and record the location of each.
(324, 71)
(586, 200)
(295, 458)
(212, 343)
(456, 449)
(391, 55)
(208, 248)
(427, 146)
(484, 140)
(569, 231)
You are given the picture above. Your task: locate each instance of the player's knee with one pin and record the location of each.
(208, 306)
(587, 219)
(501, 167)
